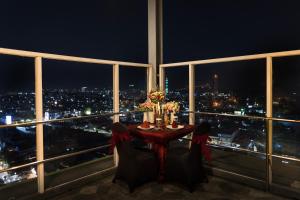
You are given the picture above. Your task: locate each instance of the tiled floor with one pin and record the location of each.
(216, 189)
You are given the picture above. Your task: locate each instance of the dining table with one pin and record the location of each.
(159, 140)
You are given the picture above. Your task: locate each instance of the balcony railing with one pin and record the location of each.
(39, 118)
(267, 157)
(271, 182)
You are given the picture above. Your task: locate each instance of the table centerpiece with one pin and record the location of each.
(155, 108)
(170, 109)
(147, 107)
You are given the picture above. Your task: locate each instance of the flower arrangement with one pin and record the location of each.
(171, 107)
(156, 96)
(160, 110)
(147, 106)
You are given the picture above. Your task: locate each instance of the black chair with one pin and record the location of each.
(135, 167)
(185, 165)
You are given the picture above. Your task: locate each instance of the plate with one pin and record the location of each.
(151, 127)
(179, 127)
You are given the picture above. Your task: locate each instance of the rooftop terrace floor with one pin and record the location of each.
(216, 189)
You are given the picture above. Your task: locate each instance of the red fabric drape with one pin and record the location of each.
(202, 140)
(118, 137)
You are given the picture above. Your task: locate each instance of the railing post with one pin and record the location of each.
(269, 123)
(191, 98)
(116, 103)
(191, 94)
(161, 78)
(39, 126)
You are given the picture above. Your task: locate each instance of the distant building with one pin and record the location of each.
(8, 120)
(167, 85)
(83, 89)
(216, 84)
(47, 116)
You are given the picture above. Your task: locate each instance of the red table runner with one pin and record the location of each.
(160, 140)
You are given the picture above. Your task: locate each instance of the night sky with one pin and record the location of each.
(117, 30)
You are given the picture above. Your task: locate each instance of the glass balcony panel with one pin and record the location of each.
(230, 87)
(18, 183)
(66, 170)
(177, 89)
(286, 143)
(238, 144)
(286, 87)
(17, 147)
(132, 93)
(74, 89)
(16, 90)
(76, 135)
(63, 138)
(286, 139)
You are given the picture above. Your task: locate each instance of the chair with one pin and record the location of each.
(135, 167)
(185, 165)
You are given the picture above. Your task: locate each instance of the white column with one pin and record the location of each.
(192, 94)
(149, 78)
(161, 78)
(269, 113)
(116, 102)
(155, 36)
(39, 127)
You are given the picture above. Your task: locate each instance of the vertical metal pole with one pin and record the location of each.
(161, 78)
(116, 103)
(269, 113)
(191, 98)
(39, 127)
(192, 94)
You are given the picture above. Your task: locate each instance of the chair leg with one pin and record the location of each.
(131, 188)
(114, 180)
(205, 179)
(191, 188)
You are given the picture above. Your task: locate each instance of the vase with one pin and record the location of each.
(149, 116)
(172, 117)
(166, 119)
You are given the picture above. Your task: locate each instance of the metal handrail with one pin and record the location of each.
(64, 119)
(32, 54)
(248, 117)
(233, 59)
(249, 151)
(55, 158)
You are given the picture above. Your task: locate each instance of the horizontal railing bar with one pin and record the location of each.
(76, 153)
(286, 158)
(237, 148)
(31, 54)
(63, 119)
(237, 174)
(229, 147)
(255, 152)
(249, 117)
(80, 178)
(233, 59)
(111, 114)
(55, 158)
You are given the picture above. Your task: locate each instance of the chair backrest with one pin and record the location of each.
(199, 140)
(118, 127)
(195, 151)
(202, 128)
(124, 147)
